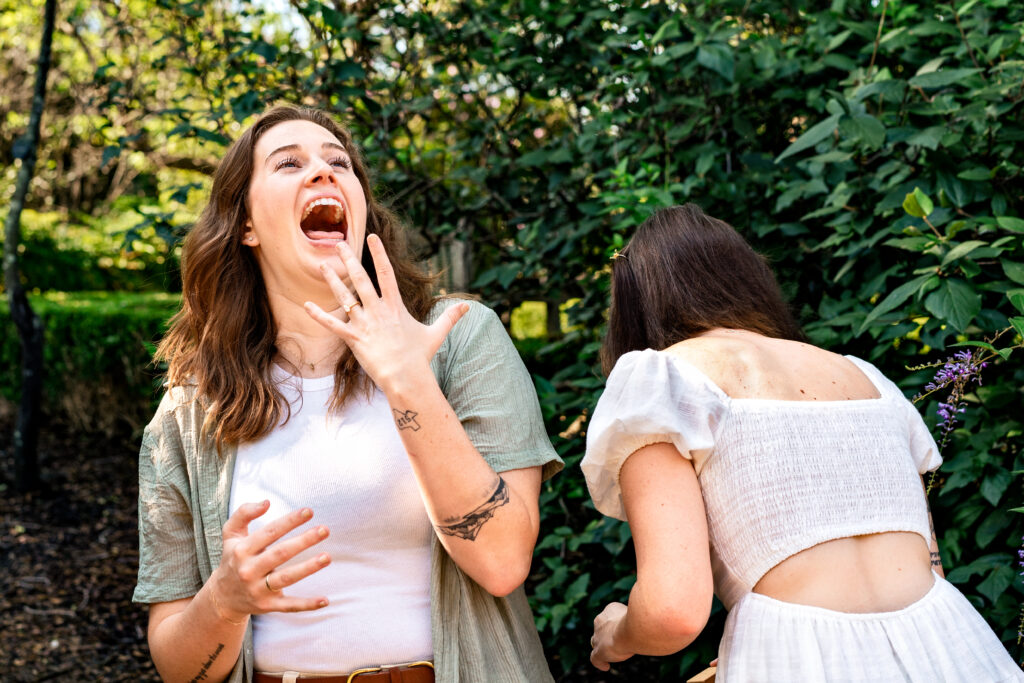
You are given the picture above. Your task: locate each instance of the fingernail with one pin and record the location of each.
(322, 532)
(322, 603)
(307, 513)
(324, 559)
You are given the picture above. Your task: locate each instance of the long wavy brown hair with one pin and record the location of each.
(684, 273)
(224, 338)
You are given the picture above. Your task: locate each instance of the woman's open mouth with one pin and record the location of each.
(324, 220)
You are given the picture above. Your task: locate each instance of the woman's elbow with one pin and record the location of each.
(504, 575)
(679, 620)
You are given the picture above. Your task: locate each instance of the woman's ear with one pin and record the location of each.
(249, 237)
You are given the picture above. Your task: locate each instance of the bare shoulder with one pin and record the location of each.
(749, 365)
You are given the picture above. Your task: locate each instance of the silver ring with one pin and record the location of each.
(266, 580)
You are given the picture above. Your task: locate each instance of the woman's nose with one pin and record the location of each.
(321, 172)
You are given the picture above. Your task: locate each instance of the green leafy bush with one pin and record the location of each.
(96, 254)
(870, 149)
(98, 347)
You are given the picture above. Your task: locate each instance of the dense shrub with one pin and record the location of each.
(84, 254)
(98, 347)
(537, 134)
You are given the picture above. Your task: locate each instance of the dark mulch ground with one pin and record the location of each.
(69, 557)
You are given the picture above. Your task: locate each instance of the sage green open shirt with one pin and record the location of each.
(185, 486)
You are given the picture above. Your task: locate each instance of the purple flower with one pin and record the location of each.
(957, 373)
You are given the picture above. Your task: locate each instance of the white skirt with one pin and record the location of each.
(939, 638)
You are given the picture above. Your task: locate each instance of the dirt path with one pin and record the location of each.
(69, 557)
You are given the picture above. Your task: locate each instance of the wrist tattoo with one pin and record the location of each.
(406, 420)
(201, 676)
(468, 526)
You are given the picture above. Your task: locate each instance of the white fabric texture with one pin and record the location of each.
(939, 638)
(777, 476)
(352, 470)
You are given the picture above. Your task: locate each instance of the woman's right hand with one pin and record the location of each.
(248, 580)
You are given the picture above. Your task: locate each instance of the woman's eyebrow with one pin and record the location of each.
(293, 147)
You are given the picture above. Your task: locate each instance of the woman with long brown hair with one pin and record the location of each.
(782, 477)
(342, 479)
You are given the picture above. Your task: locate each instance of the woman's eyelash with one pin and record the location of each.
(344, 162)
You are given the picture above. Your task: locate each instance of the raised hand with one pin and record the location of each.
(248, 580)
(385, 339)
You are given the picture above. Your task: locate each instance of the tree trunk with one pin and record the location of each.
(30, 328)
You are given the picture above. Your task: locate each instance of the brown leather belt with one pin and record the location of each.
(416, 672)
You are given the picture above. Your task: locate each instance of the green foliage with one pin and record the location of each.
(874, 157)
(93, 256)
(98, 347)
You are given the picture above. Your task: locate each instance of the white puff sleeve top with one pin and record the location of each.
(777, 477)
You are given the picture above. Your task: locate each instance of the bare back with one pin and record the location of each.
(871, 573)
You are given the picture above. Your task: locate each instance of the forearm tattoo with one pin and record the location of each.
(936, 557)
(406, 420)
(201, 676)
(468, 526)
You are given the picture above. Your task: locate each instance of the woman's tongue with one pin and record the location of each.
(324, 223)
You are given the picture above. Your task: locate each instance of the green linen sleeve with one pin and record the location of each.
(488, 387)
(168, 564)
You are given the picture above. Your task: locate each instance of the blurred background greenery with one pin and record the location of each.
(522, 141)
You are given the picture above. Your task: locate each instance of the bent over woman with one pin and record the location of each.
(342, 480)
(783, 477)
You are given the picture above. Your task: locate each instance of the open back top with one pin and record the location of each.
(777, 476)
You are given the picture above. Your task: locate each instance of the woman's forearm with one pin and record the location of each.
(656, 627)
(197, 643)
(488, 524)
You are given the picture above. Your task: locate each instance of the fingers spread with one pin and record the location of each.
(338, 288)
(282, 551)
(326, 319)
(282, 578)
(279, 527)
(385, 273)
(360, 280)
(238, 523)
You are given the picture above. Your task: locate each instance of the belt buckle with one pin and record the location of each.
(375, 669)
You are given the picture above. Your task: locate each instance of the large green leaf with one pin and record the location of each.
(939, 79)
(1014, 271)
(1011, 223)
(719, 58)
(813, 136)
(894, 299)
(865, 128)
(954, 301)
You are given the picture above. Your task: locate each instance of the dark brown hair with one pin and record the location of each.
(684, 273)
(224, 338)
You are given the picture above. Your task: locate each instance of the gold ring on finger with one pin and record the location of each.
(266, 580)
(348, 307)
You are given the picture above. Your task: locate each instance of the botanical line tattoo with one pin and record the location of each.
(201, 676)
(936, 557)
(406, 420)
(469, 525)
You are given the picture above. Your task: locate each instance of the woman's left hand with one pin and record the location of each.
(605, 650)
(386, 340)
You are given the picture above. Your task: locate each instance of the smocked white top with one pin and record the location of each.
(777, 476)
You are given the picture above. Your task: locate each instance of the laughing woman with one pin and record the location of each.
(344, 472)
